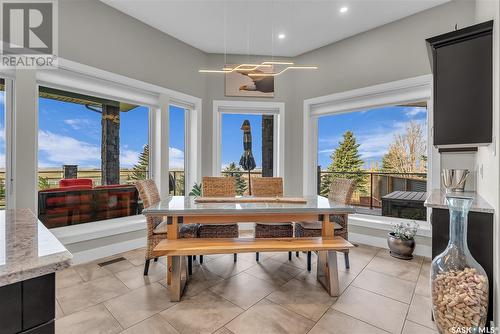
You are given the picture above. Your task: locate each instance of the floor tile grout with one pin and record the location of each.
(369, 256)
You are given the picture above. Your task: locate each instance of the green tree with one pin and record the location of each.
(235, 171)
(407, 153)
(140, 170)
(345, 158)
(43, 183)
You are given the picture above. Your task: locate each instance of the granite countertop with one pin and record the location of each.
(186, 205)
(27, 248)
(437, 199)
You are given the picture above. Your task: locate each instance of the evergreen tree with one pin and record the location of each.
(43, 183)
(235, 171)
(345, 158)
(140, 170)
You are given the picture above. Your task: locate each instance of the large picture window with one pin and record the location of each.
(384, 150)
(177, 143)
(90, 152)
(232, 147)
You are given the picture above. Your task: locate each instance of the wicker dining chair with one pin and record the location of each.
(218, 186)
(157, 226)
(270, 187)
(341, 191)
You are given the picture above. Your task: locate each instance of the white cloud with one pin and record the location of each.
(79, 124)
(128, 158)
(176, 158)
(375, 142)
(60, 149)
(415, 111)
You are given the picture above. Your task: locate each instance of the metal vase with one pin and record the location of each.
(454, 179)
(401, 249)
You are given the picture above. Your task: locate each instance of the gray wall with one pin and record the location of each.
(97, 35)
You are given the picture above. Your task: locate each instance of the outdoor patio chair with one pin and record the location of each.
(218, 186)
(270, 187)
(157, 226)
(341, 191)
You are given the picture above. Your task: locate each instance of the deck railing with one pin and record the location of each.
(374, 185)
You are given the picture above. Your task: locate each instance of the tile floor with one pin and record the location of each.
(380, 294)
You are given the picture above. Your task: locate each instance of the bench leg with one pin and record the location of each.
(297, 254)
(257, 256)
(346, 260)
(235, 256)
(201, 259)
(327, 272)
(190, 265)
(179, 277)
(289, 256)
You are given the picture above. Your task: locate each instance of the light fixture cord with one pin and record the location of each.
(225, 36)
(248, 32)
(272, 31)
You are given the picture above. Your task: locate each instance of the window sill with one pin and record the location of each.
(99, 229)
(386, 223)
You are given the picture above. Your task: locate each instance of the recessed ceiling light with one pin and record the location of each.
(343, 9)
(281, 36)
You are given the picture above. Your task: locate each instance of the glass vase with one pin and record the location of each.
(459, 285)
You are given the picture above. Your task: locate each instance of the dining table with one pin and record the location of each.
(177, 210)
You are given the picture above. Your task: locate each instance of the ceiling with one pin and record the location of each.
(246, 27)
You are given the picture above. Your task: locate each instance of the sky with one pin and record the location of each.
(71, 134)
(374, 130)
(232, 138)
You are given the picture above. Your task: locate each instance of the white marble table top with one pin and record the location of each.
(185, 205)
(437, 199)
(27, 248)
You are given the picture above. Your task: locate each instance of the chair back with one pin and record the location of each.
(218, 186)
(148, 192)
(267, 187)
(341, 190)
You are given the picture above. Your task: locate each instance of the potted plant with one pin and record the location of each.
(401, 240)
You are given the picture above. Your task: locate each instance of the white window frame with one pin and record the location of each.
(396, 92)
(277, 109)
(9, 141)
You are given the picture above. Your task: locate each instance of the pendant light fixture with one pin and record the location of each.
(274, 68)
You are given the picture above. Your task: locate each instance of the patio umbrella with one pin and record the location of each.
(247, 161)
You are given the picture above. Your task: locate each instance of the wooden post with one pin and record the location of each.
(318, 180)
(267, 145)
(110, 144)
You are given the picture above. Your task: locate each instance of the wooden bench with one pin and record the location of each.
(178, 249)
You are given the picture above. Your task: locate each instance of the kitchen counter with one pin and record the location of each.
(437, 199)
(27, 248)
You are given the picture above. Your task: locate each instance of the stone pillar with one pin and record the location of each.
(110, 145)
(267, 145)
(70, 171)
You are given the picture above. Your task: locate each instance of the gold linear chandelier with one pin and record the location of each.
(250, 68)
(264, 69)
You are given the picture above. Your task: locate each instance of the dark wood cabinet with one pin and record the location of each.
(28, 306)
(462, 64)
(11, 311)
(479, 239)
